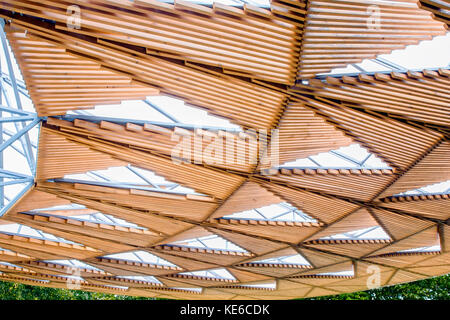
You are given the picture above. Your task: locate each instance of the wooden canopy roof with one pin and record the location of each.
(249, 65)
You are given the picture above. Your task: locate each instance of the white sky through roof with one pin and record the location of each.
(352, 157)
(220, 273)
(140, 256)
(26, 231)
(131, 175)
(428, 54)
(276, 212)
(370, 233)
(436, 188)
(291, 259)
(210, 242)
(73, 263)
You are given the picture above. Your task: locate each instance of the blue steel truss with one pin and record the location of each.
(15, 126)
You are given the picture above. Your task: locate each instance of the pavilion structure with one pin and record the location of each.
(360, 197)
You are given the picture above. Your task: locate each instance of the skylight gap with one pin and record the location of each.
(428, 54)
(350, 157)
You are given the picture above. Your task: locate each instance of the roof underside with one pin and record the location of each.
(111, 211)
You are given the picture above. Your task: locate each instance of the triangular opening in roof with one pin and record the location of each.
(371, 233)
(436, 188)
(234, 3)
(149, 279)
(270, 285)
(428, 54)
(435, 248)
(350, 157)
(296, 259)
(73, 263)
(158, 110)
(220, 273)
(140, 256)
(346, 273)
(128, 176)
(213, 242)
(85, 214)
(26, 231)
(8, 264)
(275, 212)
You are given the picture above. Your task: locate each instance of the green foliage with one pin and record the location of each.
(437, 288)
(18, 291)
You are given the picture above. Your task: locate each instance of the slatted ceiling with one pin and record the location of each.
(314, 280)
(262, 47)
(326, 209)
(125, 282)
(199, 281)
(360, 283)
(153, 138)
(436, 206)
(320, 259)
(291, 234)
(208, 181)
(56, 157)
(286, 251)
(347, 248)
(35, 199)
(119, 234)
(249, 196)
(318, 291)
(220, 257)
(399, 226)
(257, 246)
(445, 238)
(247, 276)
(13, 270)
(439, 9)
(128, 268)
(356, 184)
(11, 256)
(357, 220)
(397, 143)
(333, 29)
(191, 233)
(316, 273)
(301, 134)
(402, 276)
(46, 267)
(50, 74)
(222, 95)
(48, 250)
(432, 271)
(182, 262)
(422, 96)
(425, 238)
(90, 238)
(273, 271)
(156, 223)
(202, 55)
(433, 168)
(433, 260)
(179, 206)
(398, 260)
